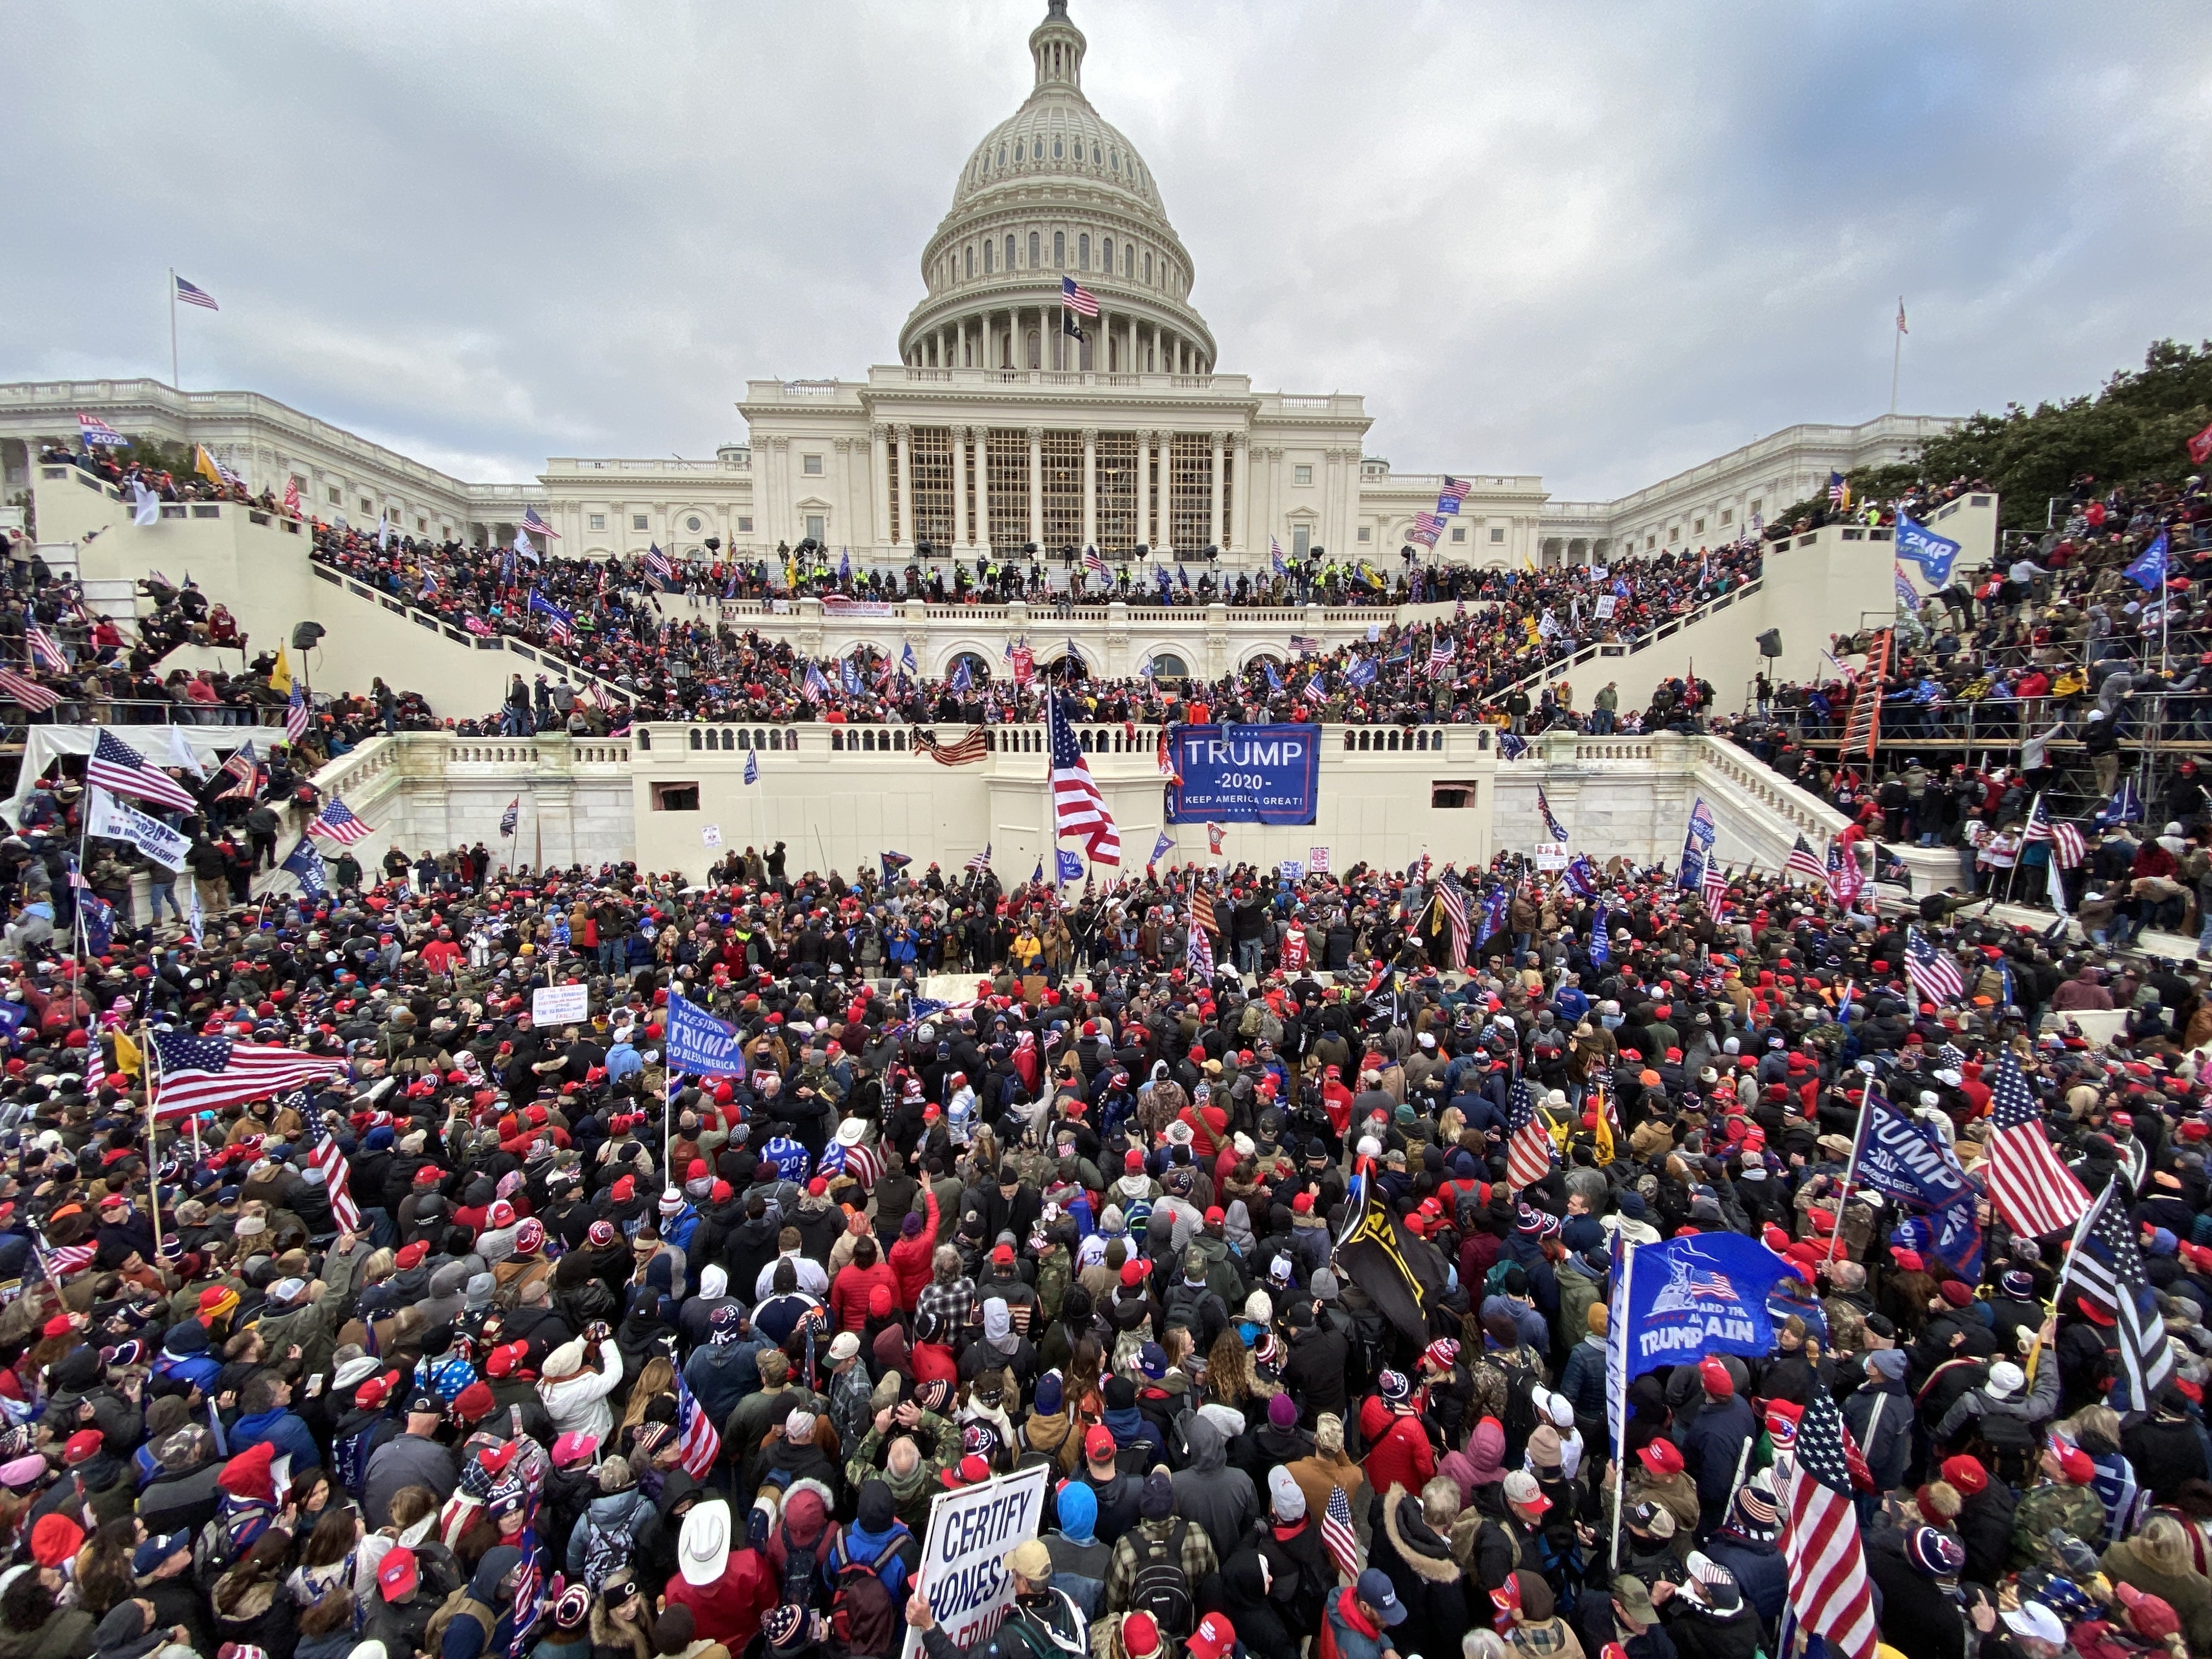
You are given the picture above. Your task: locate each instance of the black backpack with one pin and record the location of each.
(1161, 1587)
(802, 1571)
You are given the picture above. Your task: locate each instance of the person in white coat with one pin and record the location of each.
(575, 1381)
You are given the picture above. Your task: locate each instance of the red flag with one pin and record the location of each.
(2200, 446)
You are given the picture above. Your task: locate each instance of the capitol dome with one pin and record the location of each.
(1055, 191)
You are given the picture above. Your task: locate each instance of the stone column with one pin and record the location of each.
(1144, 487)
(1090, 486)
(1240, 514)
(960, 483)
(879, 486)
(1218, 532)
(906, 485)
(845, 515)
(1036, 485)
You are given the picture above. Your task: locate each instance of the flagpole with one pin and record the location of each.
(1896, 357)
(1620, 1403)
(175, 378)
(152, 1173)
(1851, 1167)
(2066, 1269)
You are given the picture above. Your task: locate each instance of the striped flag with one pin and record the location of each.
(1528, 1148)
(980, 861)
(2068, 848)
(1077, 298)
(2106, 1267)
(97, 434)
(1426, 527)
(1932, 972)
(244, 767)
(698, 1443)
(969, 746)
(2034, 1192)
(1804, 861)
(1078, 808)
(1092, 563)
(1337, 1536)
(1455, 909)
(295, 714)
(534, 522)
(1453, 493)
(1552, 825)
(1713, 887)
(659, 567)
(118, 768)
(1304, 645)
(337, 821)
(192, 294)
(1828, 1588)
(323, 1154)
(560, 625)
(34, 697)
(1440, 655)
(201, 1073)
(1199, 955)
(44, 648)
(512, 816)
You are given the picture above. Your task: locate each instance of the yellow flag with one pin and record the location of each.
(126, 1055)
(1604, 1131)
(280, 676)
(204, 464)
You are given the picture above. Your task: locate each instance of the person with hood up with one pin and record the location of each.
(1207, 1490)
(1129, 1425)
(801, 1524)
(483, 1621)
(1705, 1615)
(613, 1526)
(1529, 1615)
(1049, 1429)
(1411, 1544)
(1158, 1530)
(878, 1542)
(1080, 1556)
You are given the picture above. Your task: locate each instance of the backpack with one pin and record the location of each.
(606, 1553)
(2007, 1446)
(1052, 1281)
(1161, 1587)
(863, 1616)
(802, 1571)
(1520, 1422)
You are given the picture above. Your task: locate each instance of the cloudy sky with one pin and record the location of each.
(1601, 241)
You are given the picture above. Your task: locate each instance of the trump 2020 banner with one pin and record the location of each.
(1245, 775)
(1675, 1303)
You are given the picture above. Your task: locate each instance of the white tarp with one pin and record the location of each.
(197, 748)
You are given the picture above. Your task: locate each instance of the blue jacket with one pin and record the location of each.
(1760, 1571)
(1714, 1441)
(288, 1433)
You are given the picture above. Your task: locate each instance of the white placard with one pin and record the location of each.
(1551, 855)
(1605, 607)
(712, 835)
(560, 1004)
(962, 1568)
(1289, 869)
(1317, 860)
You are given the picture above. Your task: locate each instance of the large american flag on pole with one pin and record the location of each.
(337, 822)
(37, 698)
(1077, 298)
(201, 1073)
(2034, 1191)
(2068, 848)
(1078, 808)
(44, 648)
(1455, 909)
(1337, 1536)
(193, 295)
(1528, 1148)
(118, 768)
(1933, 973)
(2106, 1267)
(295, 714)
(1829, 1590)
(1804, 861)
(698, 1443)
(534, 522)
(323, 1153)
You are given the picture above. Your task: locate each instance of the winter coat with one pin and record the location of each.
(1440, 1600)
(1208, 1492)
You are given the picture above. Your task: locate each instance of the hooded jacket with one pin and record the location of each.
(612, 1515)
(1438, 1598)
(1208, 1492)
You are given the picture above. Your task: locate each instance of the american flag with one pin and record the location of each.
(659, 565)
(1304, 644)
(1337, 1536)
(95, 1063)
(1933, 973)
(44, 648)
(243, 767)
(698, 1443)
(2067, 848)
(337, 821)
(118, 768)
(1552, 825)
(295, 714)
(1440, 655)
(34, 696)
(1164, 756)
(969, 746)
(1201, 910)
(60, 1261)
(859, 1162)
(192, 295)
(510, 817)
(199, 1073)
(1078, 808)
(529, 1591)
(1839, 491)
(1528, 1148)
(292, 496)
(1426, 526)
(814, 687)
(1713, 886)
(1827, 1578)
(1714, 1286)
(97, 431)
(324, 1153)
(535, 524)
(1804, 861)
(1077, 298)
(1455, 907)
(1092, 563)
(2106, 1265)
(1453, 493)
(1200, 956)
(980, 861)
(2034, 1192)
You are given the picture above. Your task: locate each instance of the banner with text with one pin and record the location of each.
(963, 1571)
(1246, 774)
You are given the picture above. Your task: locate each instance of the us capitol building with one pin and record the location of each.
(1009, 420)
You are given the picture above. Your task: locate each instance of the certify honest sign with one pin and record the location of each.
(963, 1570)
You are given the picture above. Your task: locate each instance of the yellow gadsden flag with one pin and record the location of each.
(126, 1055)
(204, 464)
(280, 676)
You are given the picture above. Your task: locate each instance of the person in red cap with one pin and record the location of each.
(1660, 1474)
(1713, 1442)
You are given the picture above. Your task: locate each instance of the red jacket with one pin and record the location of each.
(910, 1256)
(854, 1285)
(1401, 1457)
(728, 1610)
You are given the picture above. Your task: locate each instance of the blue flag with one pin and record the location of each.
(700, 1044)
(1160, 848)
(1361, 671)
(307, 865)
(99, 923)
(1601, 944)
(907, 663)
(1580, 876)
(960, 679)
(1274, 680)
(844, 563)
(1906, 1159)
(1908, 600)
(1071, 866)
(752, 767)
(1676, 1301)
(1931, 552)
(2148, 571)
(1036, 876)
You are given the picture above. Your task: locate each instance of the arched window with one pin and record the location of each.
(987, 258)
(714, 740)
(1010, 254)
(760, 740)
(1352, 740)
(1056, 147)
(644, 737)
(971, 262)
(1128, 261)
(1167, 666)
(898, 742)
(1060, 250)
(1037, 350)
(1035, 243)
(1394, 739)
(1094, 154)
(1017, 150)
(1002, 155)
(838, 742)
(978, 670)
(1148, 264)
(1114, 160)
(1364, 736)
(776, 740)
(729, 740)
(1082, 252)
(1106, 255)
(698, 741)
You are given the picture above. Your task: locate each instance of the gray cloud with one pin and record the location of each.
(1597, 242)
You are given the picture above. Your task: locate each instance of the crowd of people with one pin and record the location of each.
(478, 1336)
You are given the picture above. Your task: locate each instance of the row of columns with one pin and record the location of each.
(949, 345)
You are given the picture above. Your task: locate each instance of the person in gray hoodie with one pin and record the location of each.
(1208, 1492)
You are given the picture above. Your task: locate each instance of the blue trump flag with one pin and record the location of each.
(1909, 1161)
(1071, 866)
(1673, 1303)
(1931, 552)
(305, 865)
(699, 1043)
(2148, 571)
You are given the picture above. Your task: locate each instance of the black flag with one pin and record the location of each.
(1399, 1274)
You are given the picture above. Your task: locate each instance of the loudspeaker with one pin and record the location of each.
(1770, 643)
(304, 635)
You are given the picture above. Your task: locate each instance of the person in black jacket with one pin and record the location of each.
(1913, 1571)
(1705, 1615)
(1313, 1375)
(1412, 1544)
(1986, 1518)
